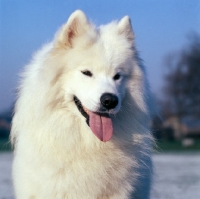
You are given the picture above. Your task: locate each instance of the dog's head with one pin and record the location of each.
(96, 65)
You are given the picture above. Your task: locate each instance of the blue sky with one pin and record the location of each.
(161, 26)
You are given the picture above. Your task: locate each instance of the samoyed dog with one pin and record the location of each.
(81, 123)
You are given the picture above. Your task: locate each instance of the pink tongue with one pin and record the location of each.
(101, 126)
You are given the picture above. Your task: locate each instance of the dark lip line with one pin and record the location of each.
(80, 108)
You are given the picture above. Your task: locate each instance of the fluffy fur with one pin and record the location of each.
(56, 154)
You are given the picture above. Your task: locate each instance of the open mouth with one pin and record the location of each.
(99, 123)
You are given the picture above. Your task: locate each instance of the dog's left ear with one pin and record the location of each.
(125, 28)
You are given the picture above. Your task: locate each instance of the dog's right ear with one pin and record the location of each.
(76, 26)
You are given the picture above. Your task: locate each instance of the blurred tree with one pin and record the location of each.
(182, 81)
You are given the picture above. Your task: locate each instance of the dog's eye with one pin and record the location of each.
(87, 73)
(117, 76)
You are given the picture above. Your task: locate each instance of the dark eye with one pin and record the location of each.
(87, 73)
(117, 76)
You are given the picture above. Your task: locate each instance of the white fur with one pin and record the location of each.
(56, 154)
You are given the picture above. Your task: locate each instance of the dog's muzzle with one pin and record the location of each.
(99, 123)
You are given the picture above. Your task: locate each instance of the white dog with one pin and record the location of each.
(81, 123)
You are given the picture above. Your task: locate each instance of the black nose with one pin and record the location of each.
(109, 101)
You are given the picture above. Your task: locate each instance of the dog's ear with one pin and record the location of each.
(125, 28)
(76, 26)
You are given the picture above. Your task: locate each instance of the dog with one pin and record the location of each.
(81, 122)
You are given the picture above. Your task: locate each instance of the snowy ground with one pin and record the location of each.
(6, 189)
(177, 176)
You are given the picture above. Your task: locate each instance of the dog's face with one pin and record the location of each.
(97, 84)
(98, 65)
